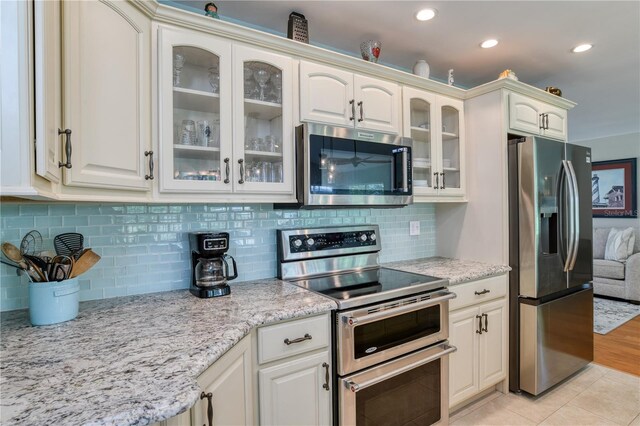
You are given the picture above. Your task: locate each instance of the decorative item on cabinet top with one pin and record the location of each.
(421, 68)
(508, 74)
(211, 10)
(298, 28)
(553, 90)
(370, 50)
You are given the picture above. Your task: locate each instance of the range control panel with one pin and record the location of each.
(332, 240)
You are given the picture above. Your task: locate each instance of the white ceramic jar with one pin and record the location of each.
(421, 68)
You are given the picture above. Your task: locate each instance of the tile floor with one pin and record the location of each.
(596, 396)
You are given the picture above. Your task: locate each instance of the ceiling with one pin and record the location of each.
(535, 42)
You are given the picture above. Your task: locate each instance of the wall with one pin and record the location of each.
(615, 148)
(144, 248)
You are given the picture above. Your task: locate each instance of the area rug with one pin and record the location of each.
(611, 314)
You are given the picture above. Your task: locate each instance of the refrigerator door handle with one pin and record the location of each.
(575, 202)
(571, 215)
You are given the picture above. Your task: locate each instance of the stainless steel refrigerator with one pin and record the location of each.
(550, 253)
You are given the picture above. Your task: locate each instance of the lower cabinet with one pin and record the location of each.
(479, 331)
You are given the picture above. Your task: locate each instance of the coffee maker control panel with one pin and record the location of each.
(215, 244)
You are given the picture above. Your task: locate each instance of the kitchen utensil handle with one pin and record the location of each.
(575, 202)
(209, 397)
(150, 155)
(479, 330)
(437, 176)
(486, 323)
(67, 148)
(361, 112)
(241, 162)
(326, 376)
(352, 102)
(288, 342)
(480, 293)
(226, 170)
(443, 184)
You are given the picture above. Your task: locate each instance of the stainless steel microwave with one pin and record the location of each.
(337, 166)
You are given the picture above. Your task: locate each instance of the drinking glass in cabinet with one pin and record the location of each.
(271, 144)
(276, 88)
(188, 136)
(278, 174)
(178, 64)
(262, 77)
(214, 79)
(266, 171)
(204, 133)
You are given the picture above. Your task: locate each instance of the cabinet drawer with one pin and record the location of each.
(478, 291)
(272, 339)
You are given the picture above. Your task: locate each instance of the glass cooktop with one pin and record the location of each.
(370, 286)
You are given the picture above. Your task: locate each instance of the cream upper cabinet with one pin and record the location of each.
(436, 126)
(478, 328)
(106, 95)
(263, 121)
(537, 118)
(334, 96)
(195, 133)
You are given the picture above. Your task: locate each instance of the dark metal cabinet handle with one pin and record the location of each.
(288, 342)
(546, 119)
(443, 184)
(352, 102)
(361, 112)
(241, 162)
(226, 170)
(209, 397)
(437, 176)
(150, 155)
(486, 323)
(479, 330)
(326, 376)
(67, 148)
(480, 293)
(541, 121)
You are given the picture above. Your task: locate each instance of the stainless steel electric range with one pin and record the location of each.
(390, 330)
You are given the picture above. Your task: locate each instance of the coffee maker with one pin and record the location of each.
(210, 267)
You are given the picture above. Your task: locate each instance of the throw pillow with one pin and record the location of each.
(632, 242)
(618, 244)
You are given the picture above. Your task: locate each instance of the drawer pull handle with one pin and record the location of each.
(298, 340)
(480, 293)
(326, 376)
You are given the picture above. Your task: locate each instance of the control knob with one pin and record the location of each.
(363, 237)
(310, 242)
(372, 237)
(296, 243)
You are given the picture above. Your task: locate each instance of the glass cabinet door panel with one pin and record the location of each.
(420, 120)
(450, 150)
(264, 131)
(196, 73)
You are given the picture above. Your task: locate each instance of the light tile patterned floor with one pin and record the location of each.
(596, 396)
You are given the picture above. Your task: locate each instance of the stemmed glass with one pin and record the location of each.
(250, 85)
(262, 76)
(178, 64)
(214, 79)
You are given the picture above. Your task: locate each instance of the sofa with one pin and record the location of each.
(612, 278)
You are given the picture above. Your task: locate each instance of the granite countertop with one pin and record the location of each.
(455, 270)
(132, 360)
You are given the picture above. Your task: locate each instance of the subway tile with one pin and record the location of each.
(62, 209)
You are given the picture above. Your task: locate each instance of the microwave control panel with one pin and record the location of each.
(331, 241)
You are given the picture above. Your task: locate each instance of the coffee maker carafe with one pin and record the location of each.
(210, 265)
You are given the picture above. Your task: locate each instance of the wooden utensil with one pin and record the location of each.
(13, 253)
(84, 263)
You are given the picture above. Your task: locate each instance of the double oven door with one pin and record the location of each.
(392, 362)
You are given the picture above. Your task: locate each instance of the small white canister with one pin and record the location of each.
(421, 68)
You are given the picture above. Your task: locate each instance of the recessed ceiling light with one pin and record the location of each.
(425, 14)
(489, 43)
(582, 48)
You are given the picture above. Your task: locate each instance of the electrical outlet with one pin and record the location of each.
(414, 227)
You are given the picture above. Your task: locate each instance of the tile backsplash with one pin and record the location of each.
(144, 247)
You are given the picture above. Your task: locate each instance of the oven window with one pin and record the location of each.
(351, 167)
(386, 333)
(411, 398)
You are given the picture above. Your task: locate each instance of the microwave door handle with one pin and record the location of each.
(365, 319)
(388, 371)
(575, 203)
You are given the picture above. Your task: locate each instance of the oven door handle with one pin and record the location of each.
(352, 321)
(445, 349)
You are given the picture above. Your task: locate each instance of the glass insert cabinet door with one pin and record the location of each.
(262, 121)
(451, 163)
(195, 131)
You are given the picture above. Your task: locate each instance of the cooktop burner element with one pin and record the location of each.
(342, 263)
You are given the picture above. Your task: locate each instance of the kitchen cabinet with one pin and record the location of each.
(537, 118)
(106, 104)
(218, 134)
(227, 389)
(334, 96)
(295, 388)
(478, 328)
(436, 125)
